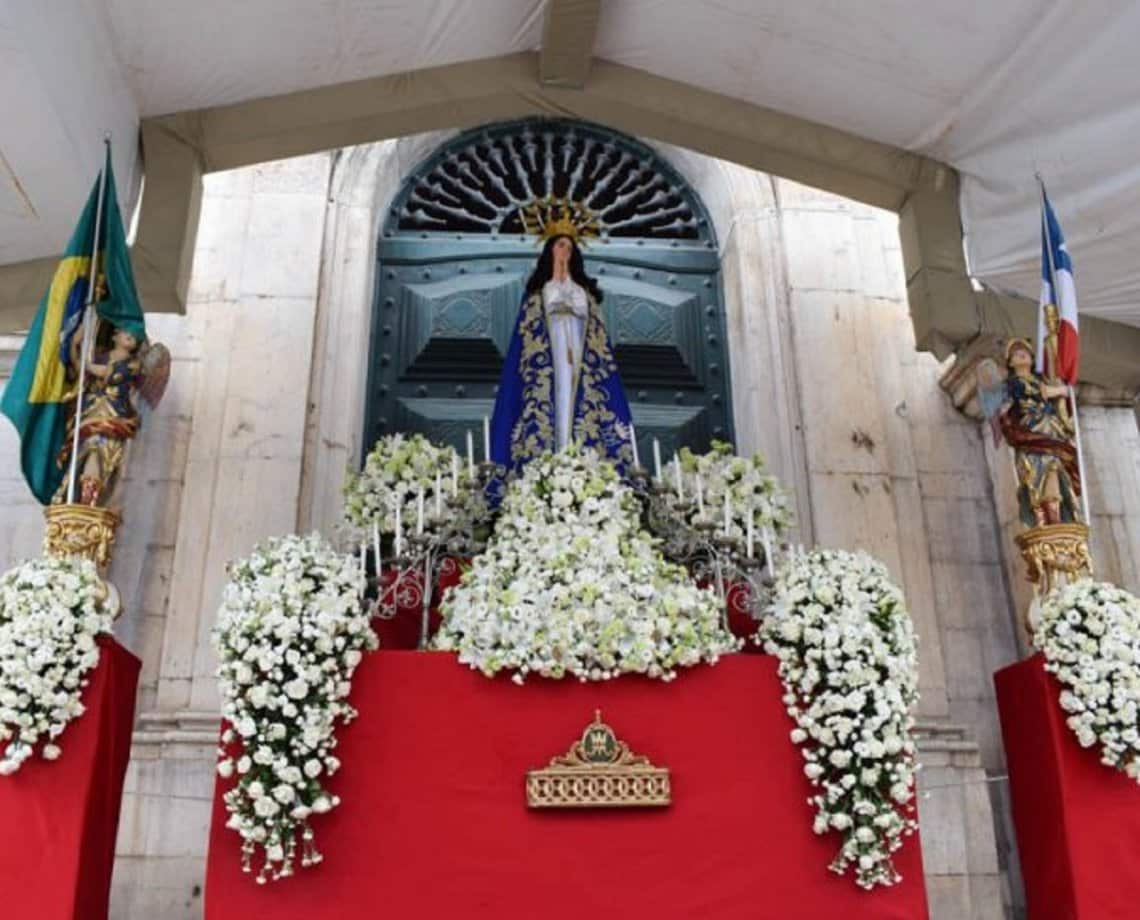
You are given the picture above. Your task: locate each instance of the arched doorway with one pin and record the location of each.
(453, 258)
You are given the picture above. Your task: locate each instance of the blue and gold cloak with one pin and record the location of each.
(522, 426)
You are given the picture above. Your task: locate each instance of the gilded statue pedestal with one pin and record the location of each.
(81, 530)
(1055, 554)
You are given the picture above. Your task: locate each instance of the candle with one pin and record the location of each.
(680, 481)
(363, 567)
(657, 459)
(633, 444)
(700, 497)
(399, 531)
(470, 455)
(750, 534)
(727, 513)
(454, 475)
(767, 538)
(438, 494)
(486, 439)
(376, 544)
(420, 512)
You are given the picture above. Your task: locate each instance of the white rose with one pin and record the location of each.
(283, 793)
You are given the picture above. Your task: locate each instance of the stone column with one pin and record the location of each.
(255, 302)
(851, 344)
(1111, 441)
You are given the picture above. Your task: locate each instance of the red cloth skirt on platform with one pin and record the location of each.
(434, 821)
(59, 819)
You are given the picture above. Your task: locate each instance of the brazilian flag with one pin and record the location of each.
(36, 396)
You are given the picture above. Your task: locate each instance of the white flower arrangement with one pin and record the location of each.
(848, 662)
(395, 471)
(289, 636)
(1089, 633)
(751, 490)
(570, 585)
(51, 611)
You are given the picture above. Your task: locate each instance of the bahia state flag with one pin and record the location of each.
(1057, 288)
(36, 396)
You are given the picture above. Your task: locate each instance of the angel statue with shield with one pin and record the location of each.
(122, 372)
(1030, 411)
(560, 383)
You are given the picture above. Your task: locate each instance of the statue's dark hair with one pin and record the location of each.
(544, 270)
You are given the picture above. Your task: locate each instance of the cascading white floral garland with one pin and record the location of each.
(848, 662)
(570, 584)
(1089, 632)
(289, 636)
(51, 611)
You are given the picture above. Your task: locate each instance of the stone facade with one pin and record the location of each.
(265, 410)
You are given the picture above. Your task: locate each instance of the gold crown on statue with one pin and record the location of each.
(550, 217)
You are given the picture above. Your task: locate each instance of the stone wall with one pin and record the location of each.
(264, 415)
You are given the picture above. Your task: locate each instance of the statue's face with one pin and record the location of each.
(124, 340)
(1020, 360)
(562, 249)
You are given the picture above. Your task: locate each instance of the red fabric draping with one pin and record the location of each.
(1077, 820)
(59, 819)
(434, 820)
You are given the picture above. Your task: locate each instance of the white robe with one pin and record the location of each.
(567, 309)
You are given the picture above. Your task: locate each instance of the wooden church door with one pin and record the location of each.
(453, 260)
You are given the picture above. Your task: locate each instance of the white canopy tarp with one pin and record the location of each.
(999, 90)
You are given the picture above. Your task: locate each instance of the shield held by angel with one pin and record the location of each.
(126, 378)
(1031, 414)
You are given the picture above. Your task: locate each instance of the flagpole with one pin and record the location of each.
(85, 345)
(1072, 392)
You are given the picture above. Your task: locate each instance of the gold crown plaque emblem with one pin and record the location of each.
(598, 771)
(550, 216)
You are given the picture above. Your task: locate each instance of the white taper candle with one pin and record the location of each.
(486, 439)
(751, 535)
(363, 566)
(680, 478)
(657, 459)
(438, 494)
(470, 455)
(399, 529)
(454, 475)
(727, 513)
(420, 512)
(633, 444)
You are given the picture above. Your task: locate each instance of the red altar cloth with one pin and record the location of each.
(434, 822)
(59, 818)
(1077, 820)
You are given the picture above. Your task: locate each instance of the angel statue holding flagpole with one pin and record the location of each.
(123, 376)
(560, 383)
(1029, 411)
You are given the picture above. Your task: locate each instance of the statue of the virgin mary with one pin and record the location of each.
(560, 383)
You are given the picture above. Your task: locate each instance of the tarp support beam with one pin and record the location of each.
(568, 31)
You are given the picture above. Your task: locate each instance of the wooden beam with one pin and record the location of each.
(568, 32)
